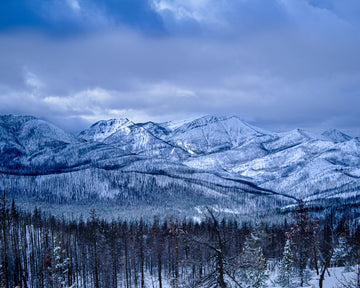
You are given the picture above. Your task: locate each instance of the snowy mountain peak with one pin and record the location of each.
(211, 134)
(105, 128)
(305, 134)
(211, 155)
(221, 122)
(24, 128)
(199, 122)
(172, 125)
(32, 134)
(336, 136)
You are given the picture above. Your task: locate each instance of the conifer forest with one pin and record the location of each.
(39, 250)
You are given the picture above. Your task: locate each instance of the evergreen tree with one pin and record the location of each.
(341, 252)
(61, 267)
(254, 274)
(286, 268)
(56, 267)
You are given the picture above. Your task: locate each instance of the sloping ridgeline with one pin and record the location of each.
(127, 169)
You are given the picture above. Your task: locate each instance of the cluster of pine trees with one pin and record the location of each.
(39, 250)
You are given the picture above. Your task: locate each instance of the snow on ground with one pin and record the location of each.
(332, 278)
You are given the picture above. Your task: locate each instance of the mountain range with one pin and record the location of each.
(175, 167)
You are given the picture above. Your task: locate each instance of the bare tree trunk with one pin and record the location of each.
(325, 267)
(4, 236)
(159, 269)
(94, 224)
(126, 262)
(220, 256)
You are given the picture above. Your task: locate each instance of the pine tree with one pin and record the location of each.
(61, 266)
(254, 274)
(286, 267)
(56, 266)
(341, 252)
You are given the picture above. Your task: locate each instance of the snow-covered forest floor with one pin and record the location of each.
(335, 278)
(39, 250)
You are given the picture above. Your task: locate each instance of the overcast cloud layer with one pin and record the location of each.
(279, 64)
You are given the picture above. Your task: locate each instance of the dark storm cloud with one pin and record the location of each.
(271, 62)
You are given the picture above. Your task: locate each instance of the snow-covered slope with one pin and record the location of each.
(212, 134)
(210, 160)
(23, 137)
(146, 139)
(335, 135)
(105, 128)
(33, 134)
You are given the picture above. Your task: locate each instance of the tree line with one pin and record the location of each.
(39, 250)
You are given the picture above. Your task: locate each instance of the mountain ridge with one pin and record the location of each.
(189, 158)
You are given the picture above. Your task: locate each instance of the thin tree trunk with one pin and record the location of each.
(326, 266)
(159, 270)
(3, 225)
(126, 263)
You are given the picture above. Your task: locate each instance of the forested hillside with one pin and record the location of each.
(176, 167)
(39, 250)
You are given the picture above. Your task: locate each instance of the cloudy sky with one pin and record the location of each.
(279, 64)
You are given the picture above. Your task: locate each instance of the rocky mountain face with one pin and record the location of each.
(176, 166)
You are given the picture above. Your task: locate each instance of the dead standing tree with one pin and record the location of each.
(302, 234)
(222, 273)
(4, 261)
